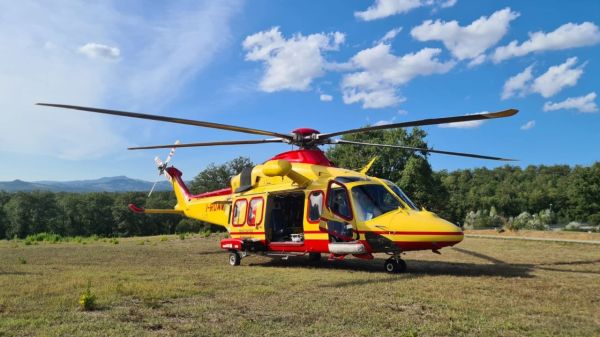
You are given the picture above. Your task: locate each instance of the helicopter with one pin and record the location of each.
(298, 203)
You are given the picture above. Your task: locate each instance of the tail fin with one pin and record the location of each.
(212, 207)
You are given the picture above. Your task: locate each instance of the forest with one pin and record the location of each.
(508, 196)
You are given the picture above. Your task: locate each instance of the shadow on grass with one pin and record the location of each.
(415, 268)
(540, 266)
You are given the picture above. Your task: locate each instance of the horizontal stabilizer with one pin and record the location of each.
(137, 209)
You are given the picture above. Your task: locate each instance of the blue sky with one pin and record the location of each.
(280, 65)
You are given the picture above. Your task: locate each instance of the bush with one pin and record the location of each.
(573, 226)
(483, 219)
(526, 220)
(87, 300)
(44, 237)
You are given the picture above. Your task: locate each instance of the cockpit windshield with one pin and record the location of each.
(373, 200)
(402, 195)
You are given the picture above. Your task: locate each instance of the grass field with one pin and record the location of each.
(165, 286)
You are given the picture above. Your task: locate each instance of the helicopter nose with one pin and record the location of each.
(441, 231)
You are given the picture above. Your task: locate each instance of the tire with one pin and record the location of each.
(394, 266)
(234, 259)
(314, 257)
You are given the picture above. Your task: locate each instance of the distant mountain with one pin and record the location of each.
(107, 184)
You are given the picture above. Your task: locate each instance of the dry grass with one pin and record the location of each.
(185, 288)
(564, 235)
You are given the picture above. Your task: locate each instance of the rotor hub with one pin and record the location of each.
(304, 137)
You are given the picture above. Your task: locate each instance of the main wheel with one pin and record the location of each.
(234, 259)
(394, 266)
(314, 257)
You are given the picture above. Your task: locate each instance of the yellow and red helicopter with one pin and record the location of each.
(300, 203)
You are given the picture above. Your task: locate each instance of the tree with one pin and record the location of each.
(390, 162)
(419, 182)
(409, 169)
(4, 198)
(32, 212)
(215, 177)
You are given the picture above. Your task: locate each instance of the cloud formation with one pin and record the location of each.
(467, 42)
(100, 51)
(518, 84)
(155, 58)
(326, 98)
(528, 126)
(383, 8)
(290, 64)
(569, 35)
(582, 104)
(555, 79)
(381, 73)
(390, 35)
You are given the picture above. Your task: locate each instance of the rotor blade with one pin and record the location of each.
(171, 153)
(422, 122)
(462, 154)
(152, 189)
(170, 120)
(234, 142)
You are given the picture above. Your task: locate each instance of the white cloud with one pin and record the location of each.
(382, 73)
(43, 64)
(548, 84)
(96, 50)
(557, 77)
(326, 98)
(390, 35)
(385, 122)
(467, 42)
(569, 35)
(448, 3)
(528, 126)
(291, 64)
(582, 103)
(384, 8)
(465, 125)
(518, 84)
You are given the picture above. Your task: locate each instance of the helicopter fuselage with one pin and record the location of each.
(298, 203)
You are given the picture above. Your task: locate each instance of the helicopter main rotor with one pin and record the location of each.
(304, 138)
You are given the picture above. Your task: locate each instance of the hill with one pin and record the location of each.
(106, 184)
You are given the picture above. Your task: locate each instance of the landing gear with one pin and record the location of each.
(314, 257)
(395, 265)
(234, 258)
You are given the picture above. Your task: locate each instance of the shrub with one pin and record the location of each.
(87, 300)
(573, 226)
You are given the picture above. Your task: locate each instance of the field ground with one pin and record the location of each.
(165, 286)
(558, 235)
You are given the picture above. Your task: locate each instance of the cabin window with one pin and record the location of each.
(338, 201)
(315, 206)
(239, 212)
(255, 212)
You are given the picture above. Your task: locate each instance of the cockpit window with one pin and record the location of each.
(373, 200)
(402, 195)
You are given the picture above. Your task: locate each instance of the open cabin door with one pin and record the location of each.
(337, 216)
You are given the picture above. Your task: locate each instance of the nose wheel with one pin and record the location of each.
(395, 265)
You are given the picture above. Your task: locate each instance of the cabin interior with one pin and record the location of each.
(285, 217)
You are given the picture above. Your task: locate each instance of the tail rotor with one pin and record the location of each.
(162, 166)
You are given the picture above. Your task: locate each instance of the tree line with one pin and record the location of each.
(504, 195)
